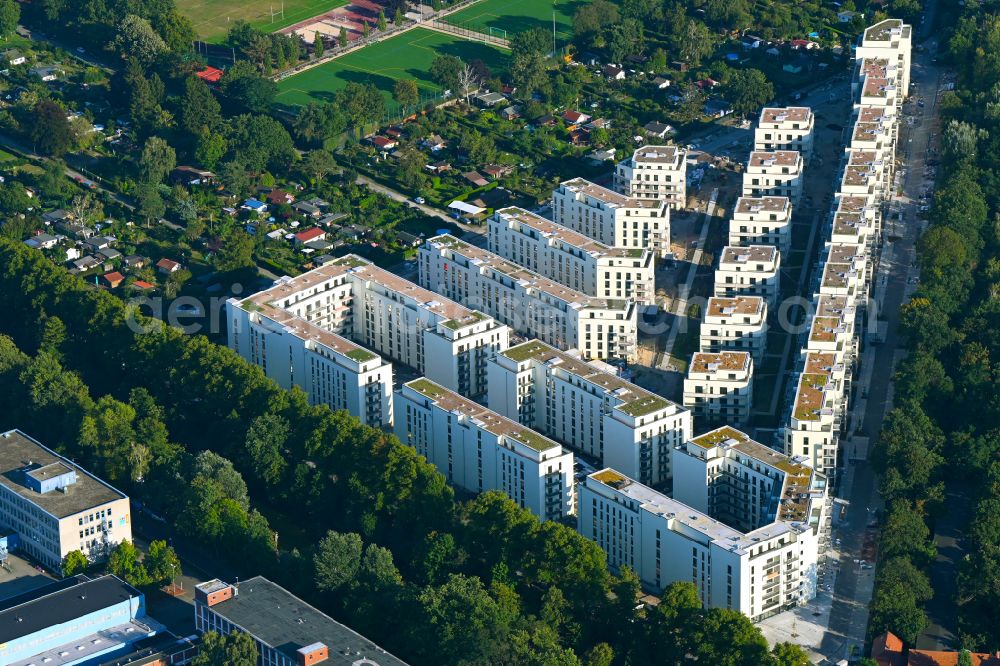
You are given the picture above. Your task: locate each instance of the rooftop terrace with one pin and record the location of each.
(769, 158)
(787, 114)
(609, 197)
(548, 229)
(754, 205)
(710, 363)
(721, 306)
(657, 155)
(767, 254)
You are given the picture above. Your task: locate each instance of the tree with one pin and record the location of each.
(235, 178)
(162, 563)
(137, 40)
(247, 89)
(318, 122)
(965, 658)
(467, 82)
(592, 18)
(200, 111)
(319, 46)
(362, 103)
(75, 562)
(157, 160)
(366, 29)
(382, 25)
(460, 619)
(235, 649)
(342, 37)
(236, 252)
(337, 560)
(397, 20)
(445, 71)
(405, 92)
(150, 203)
(535, 41)
(266, 439)
(789, 654)
(694, 42)
(658, 61)
(10, 14)
(124, 562)
(318, 164)
(748, 90)
(212, 466)
(50, 129)
(261, 142)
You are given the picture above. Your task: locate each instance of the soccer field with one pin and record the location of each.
(407, 56)
(516, 16)
(212, 18)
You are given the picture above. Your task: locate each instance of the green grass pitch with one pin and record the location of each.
(516, 16)
(212, 18)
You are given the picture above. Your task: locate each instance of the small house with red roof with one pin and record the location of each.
(210, 75)
(143, 285)
(384, 143)
(315, 233)
(277, 197)
(575, 117)
(112, 279)
(167, 266)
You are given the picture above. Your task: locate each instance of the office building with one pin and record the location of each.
(735, 324)
(762, 221)
(614, 219)
(785, 128)
(718, 387)
(570, 258)
(587, 409)
(532, 305)
(748, 271)
(286, 630)
(655, 172)
(774, 173)
(78, 620)
(477, 449)
(55, 506)
(325, 330)
(744, 525)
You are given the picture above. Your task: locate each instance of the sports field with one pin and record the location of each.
(407, 56)
(516, 16)
(212, 18)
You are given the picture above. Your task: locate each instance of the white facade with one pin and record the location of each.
(323, 331)
(478, 450)
(735, 324)
(817, 414)
(719, 386)
(57, 507)
(752, 547)
(785, 128)
(532, 305)
(655, 172)
(762, 221)
(570, 258)
(749, 271)
(776, 173)
(588, 409)
(890, 39)
(612, 218)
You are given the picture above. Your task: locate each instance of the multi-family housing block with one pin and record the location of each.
(744, 524)
(785, 128)
(478, 450)
(324, 331)
(762, 221)
(588, 409)
(718, 387)
(572, 259)
(890, 39)
(612, 218)
(749, 271)
(775, 173)
(735, 324)
(818, 411)
(55, 506)
(654, 172)
(534, 306)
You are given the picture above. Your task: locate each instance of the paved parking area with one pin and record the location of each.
(22, 577)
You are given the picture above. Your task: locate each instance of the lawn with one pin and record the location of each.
(212, 18)
(407, 56)
(516, 16)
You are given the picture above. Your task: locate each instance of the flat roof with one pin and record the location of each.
(633, 400)
(610, 197)
(657, 155)
(868, 131)
(821, 363)
(824, 329)
(845, 253)
(284, 622)
(785, 114)
(486, 418)
(862, 157)
(711, 362)
(852, 204)
(883, 31)
(62, 602)
(486, 261)
(515, 216)
(732, 254)
(872, 114)
(722, 306)
(837, 276)
(751, 205)
(766, 158)
(809, 396)
(20, 454)
(833, 306)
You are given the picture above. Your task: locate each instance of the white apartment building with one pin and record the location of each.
(832, 328)
(845, 273)
(865, 174)
(735, 324)
(55, 506)
(614, 219)
(588, 409)
(785, 128)
(532, 305)
(655, 172)
(478, 450)
(816, 420)
(306, 331)
(775, 173)
(719, 386)
(878, 83)
(748, 271)
(891, 40)
(572, 259)
(874, 130)
(762, 221)
(744, 524)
